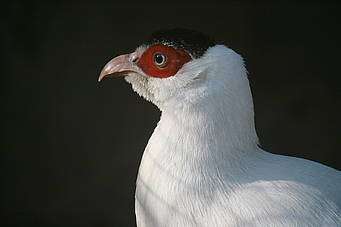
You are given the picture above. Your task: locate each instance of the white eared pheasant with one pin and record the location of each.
(202, 165)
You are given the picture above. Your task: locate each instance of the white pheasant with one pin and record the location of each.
(202, 165)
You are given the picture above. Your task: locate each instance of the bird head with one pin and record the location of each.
(179, 66)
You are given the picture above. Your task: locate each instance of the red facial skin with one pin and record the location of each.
(175, 59)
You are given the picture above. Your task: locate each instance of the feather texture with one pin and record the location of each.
(202, 165)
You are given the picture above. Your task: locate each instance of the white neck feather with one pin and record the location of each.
(196, 138)
(202, 165)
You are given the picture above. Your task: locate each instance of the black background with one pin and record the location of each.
(70, 147)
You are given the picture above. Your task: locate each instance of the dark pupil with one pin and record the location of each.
(159, 59)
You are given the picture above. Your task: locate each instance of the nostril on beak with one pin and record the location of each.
(134, 58)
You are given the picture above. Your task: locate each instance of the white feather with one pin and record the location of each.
(203, 167)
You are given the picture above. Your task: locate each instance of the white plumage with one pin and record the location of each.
(203, 167)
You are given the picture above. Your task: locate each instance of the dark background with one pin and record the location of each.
(70, 147)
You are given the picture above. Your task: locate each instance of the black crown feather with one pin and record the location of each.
(194, 42)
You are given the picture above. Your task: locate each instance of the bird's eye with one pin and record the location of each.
(160, 60)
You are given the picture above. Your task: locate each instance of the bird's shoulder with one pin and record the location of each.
(301, 171)
(289, 191)
(283, 202)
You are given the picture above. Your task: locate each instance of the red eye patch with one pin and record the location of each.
(162, 61)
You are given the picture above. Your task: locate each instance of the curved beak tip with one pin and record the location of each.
(117, 67)
(101, 76)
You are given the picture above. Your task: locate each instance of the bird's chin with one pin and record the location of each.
(139, 84)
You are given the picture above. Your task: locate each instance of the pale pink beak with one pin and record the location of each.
(120, 66)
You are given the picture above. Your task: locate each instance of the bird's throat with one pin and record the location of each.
(194, 144)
